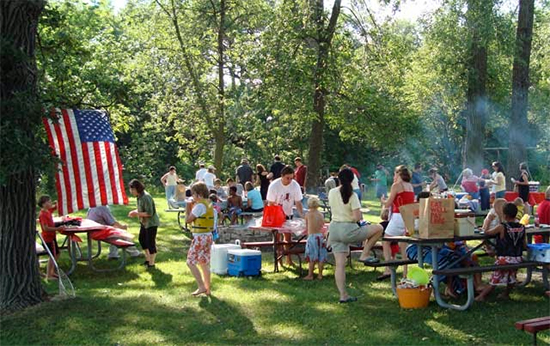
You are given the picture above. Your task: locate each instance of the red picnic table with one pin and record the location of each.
(97, 232)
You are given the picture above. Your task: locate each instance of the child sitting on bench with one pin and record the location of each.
(510, 243)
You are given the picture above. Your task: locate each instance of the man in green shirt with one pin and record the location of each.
(381, 180)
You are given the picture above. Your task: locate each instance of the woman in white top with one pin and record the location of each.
(170, 180)
(345, 229)
(498, 180)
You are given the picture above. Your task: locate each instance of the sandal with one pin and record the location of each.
(348, 300)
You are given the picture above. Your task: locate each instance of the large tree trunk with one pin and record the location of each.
(324, 40)
(219, 132)
(520, 84)
(478, 21)
(19, 279)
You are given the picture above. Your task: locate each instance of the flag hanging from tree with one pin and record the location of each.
(90, 173)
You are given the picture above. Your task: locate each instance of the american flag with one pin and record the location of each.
(91, 171)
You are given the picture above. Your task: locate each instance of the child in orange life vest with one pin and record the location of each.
(202, 219)
(48, 231)
(510, 243)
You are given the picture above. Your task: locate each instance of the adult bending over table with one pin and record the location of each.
(401, 193)
(285, 191)
(345, 230)
(148, 219)
(102, 215)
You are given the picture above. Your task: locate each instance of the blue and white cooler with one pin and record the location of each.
(538, 252)
(244, 262)
(218, 257)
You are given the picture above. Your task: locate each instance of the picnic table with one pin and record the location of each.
(436, 244)
(92, 229)
(277, 243)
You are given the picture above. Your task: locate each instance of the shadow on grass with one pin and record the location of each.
(160, 278)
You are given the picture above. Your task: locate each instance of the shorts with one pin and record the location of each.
(342, 234)
(54, 248)
(500, 194)
(316, 248)
(148, 238)
(199, 251)
(505, 277)
(396, 227)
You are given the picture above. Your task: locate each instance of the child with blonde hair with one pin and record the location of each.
(316, 248)
(518, 202)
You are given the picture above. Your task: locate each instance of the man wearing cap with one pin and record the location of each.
(244, 172)
(381, 180)
(300, 173)
(199, 176)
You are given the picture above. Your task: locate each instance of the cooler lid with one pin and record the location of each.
(244, 252)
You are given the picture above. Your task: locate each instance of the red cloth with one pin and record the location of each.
(46, 219)
(300, 175)
(534, 197)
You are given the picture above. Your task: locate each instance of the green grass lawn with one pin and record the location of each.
(136, 306)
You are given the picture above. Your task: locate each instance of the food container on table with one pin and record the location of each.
(465, 223)
(244, 262)
(218, 257)
(538, 252)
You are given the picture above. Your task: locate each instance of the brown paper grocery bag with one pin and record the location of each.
(436, 217)
(409, 212)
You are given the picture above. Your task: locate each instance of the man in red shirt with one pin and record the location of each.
(300, 173)
(543, 214)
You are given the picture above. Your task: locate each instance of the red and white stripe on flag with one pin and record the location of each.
(90, 173)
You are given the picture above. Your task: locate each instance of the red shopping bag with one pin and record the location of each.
(274, 216)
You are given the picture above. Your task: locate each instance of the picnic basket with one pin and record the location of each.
(414, 298)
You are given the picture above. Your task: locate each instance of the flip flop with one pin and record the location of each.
(348, 300)
(383, 277)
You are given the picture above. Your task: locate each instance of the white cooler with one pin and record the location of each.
(465, 224)
(218, 257)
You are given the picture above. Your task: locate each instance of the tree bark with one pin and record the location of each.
(478, 22)
(324, 39)
(518, 126)
(219, 132)
(19, 278)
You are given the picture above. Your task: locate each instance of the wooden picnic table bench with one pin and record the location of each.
(534, 326)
